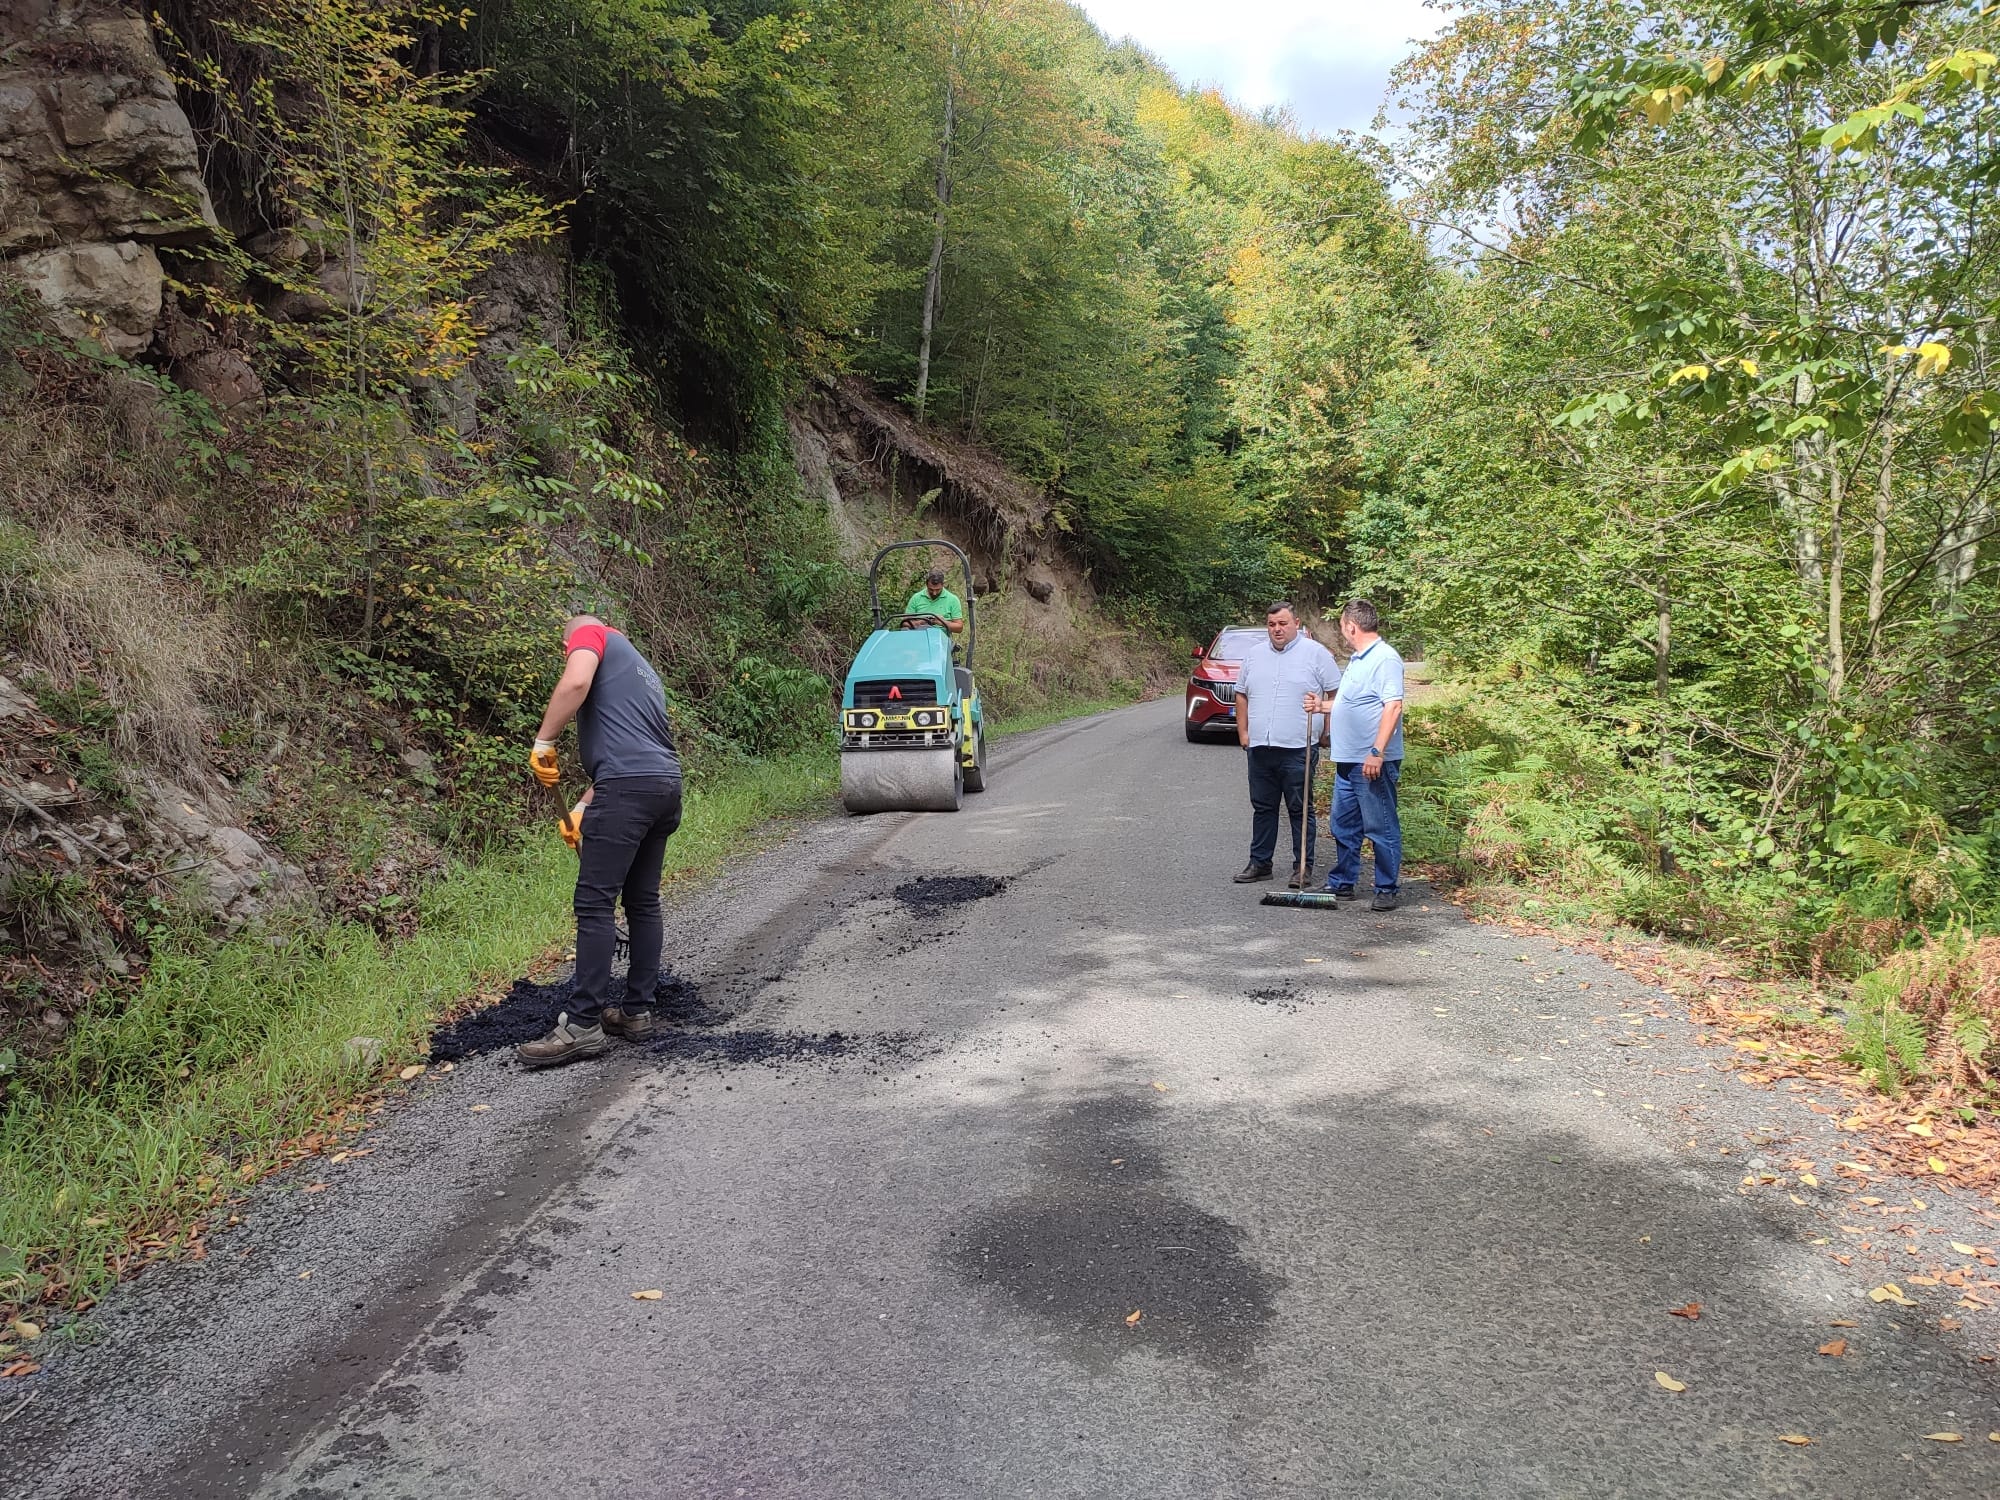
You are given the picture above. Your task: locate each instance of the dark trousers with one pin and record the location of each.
(1278, 773)
(1365, 807)
(625, 832)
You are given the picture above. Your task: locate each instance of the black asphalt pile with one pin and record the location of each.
(935, 893)
(881, 1050)
(528, 1010)
(1280, 996)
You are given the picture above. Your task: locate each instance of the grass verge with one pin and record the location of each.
(115, 1151)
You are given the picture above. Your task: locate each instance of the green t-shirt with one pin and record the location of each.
(946, 606)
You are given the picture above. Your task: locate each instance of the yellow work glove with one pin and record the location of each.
(570, 826)
(542, 761)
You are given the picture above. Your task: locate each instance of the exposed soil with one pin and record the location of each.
(528, 1010)
(935, 893)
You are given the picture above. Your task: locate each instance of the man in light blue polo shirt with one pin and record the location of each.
(1272, 728)
(1367, 754)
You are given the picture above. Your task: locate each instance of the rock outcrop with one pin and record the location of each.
(98, 166)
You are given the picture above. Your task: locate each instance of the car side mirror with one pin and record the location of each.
(1197, 653)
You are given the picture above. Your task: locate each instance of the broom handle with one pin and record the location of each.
(1306, 801)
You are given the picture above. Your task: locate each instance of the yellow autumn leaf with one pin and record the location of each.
(1749, 367)
(1806, 1179)
(1933, 358)
(1938, 1164)
(414, 1070)
(1688, 372)
(1667, 1382)
(653, 1294)
(1920, 1129)
(1890, 1292)
(1963, 1249)
(1796, 1439)
(1714, 68)
(1160, 1086)
(1133, 1316)
(1944, 1437)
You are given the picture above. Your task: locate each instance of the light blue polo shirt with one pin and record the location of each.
(1277, 682)
(1374, 680)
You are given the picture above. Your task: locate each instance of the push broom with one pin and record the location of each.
(1313, 900)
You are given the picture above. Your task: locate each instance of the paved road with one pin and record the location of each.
(1112, 1183)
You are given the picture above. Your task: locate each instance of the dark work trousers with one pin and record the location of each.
(1277, 772)
(1365, 807)
(625, 831)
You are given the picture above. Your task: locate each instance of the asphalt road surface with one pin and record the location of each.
(1110, 1182)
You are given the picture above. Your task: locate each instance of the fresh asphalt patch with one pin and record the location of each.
(933, 894)
(529, 1010)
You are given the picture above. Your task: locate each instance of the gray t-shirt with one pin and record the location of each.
(622, 730)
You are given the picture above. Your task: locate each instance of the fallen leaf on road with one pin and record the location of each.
(1160, 1086)
(1834, 1348)
(27, 1332)
(480, 1109)
(1938, 1165)
(1871, 1202)
(1667, 1382)
(1948, 1325)
(1133, 1316)
(1944, 1437)
(1963, 1249)
(414, 1070)
(1920, 1130)
(1690, 1312)
(315, 1187)
(1808, 1180)
(306, 1275)
(1843, 1323)
(653, 1295)
(1315, 960)
(19, 1367)
(1796, 1439)
(1890, 1292)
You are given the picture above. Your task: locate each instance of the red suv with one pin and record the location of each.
(1211, 690)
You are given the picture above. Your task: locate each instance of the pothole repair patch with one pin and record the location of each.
(528, 1010)
(1279, 996)
(935, 893)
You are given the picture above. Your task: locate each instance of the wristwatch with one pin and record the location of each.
(1378, 754)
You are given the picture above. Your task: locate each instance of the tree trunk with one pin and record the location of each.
(1878, 539)
(935, 275)
(1663, 639)
(1836, 576)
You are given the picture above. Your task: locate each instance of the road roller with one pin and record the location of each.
(912, 738)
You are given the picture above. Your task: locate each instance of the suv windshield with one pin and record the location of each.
(1231, 645)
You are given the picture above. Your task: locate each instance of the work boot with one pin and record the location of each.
(1297, 882)
(566, 1043)
(633, 1025)
(1384, 901)
(1254, 871)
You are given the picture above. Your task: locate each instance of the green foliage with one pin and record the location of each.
(1887, 1043)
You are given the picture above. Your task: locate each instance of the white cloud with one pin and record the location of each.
(1328, 61)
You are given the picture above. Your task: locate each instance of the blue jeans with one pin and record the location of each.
(1365, 809)
(1277, 773)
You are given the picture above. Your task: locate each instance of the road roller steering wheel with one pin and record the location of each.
(918, 622)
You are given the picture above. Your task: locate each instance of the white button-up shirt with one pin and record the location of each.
(1276, 683)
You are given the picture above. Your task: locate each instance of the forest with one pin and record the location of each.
(1641, 367)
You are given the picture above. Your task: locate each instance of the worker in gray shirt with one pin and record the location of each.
(631, 810)
(1273, 729)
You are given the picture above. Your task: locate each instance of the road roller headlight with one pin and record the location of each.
(863, 718)
(930, 718)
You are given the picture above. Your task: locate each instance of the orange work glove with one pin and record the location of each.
(542, 761)
(570, 826)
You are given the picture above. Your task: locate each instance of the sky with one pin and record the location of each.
(1328, 61)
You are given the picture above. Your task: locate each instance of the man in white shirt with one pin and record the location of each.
(1367, 732)
(1272, 728)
